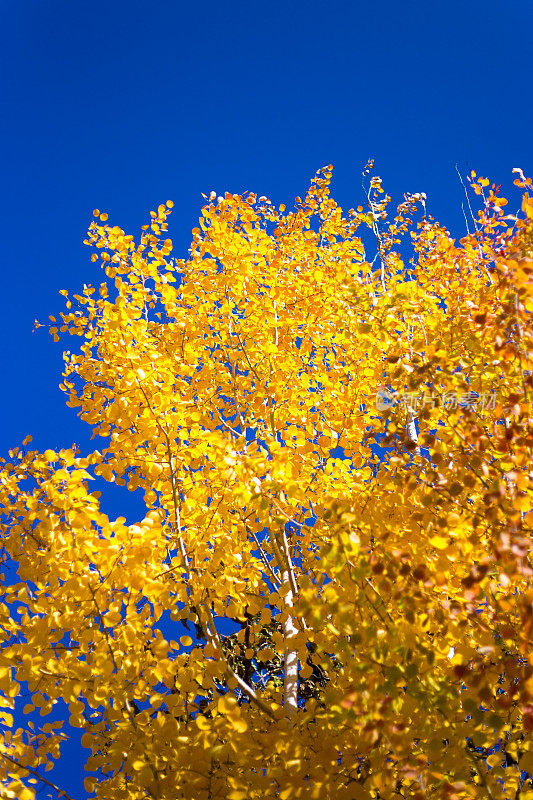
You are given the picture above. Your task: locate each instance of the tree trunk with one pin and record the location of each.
(290, 692)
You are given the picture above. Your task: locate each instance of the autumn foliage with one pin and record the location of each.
(329, 418)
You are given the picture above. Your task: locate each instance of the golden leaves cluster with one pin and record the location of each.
(236, 391)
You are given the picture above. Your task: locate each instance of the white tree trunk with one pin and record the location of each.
(412, 435)
(290, 693)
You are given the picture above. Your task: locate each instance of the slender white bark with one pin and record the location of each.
(280, 547)
(290, 693)
(412, 435)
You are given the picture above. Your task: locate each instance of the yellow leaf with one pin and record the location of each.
(226, 703)
(526, 762)
(522, 502)
(238, 723)
(358, 792)
(202, 723)
(527, 206)
(440, 542)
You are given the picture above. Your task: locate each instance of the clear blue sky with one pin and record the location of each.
(123, 105)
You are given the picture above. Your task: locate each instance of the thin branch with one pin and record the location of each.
(34, 772)
(214, 640)
(263, 556)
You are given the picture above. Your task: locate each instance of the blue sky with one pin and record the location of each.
(123, 105)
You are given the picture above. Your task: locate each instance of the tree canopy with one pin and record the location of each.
(329, 595)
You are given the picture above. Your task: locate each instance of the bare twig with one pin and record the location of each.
(34, 772)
